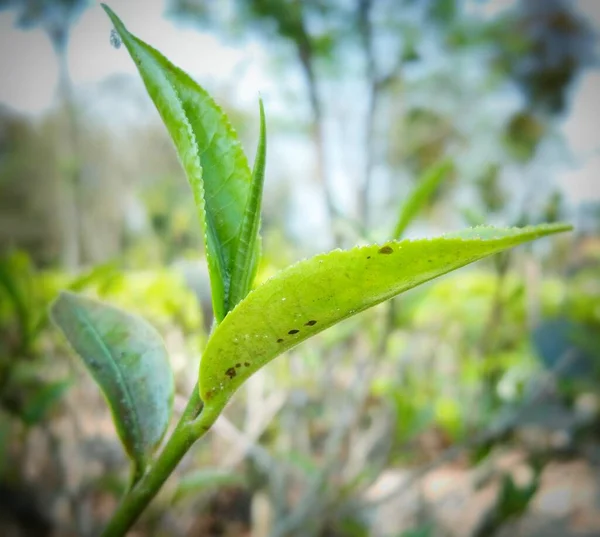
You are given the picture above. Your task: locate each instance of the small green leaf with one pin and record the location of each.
(211, 155)
(15, 275)
(43, 400)
(312, 295)
(419, 196)
(248, 251)
(127, 358)
(97, 274)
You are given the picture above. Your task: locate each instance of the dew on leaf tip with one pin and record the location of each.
(115, 39)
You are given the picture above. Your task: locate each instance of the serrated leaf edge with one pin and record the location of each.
(535, 231)
(196, 183)
(540, 230)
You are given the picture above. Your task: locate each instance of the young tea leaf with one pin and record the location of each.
(312, 295)
(420, 195)
(42, 401)
(212, 157)
(127, 358)
(246, 259)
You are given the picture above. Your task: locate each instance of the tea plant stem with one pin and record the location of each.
(193, 424)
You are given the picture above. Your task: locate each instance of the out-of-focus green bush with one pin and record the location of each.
(28, 350)
(436, 367)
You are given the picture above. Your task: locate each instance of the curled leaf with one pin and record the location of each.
(249, 246)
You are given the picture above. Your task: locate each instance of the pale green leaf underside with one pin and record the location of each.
(127, 358)
(312, 295)
(211, 155)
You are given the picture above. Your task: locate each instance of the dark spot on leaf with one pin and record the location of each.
(231, 372)
(209, 394)
(430, 261)
(311, 323)
(279, 340)
(386, 250)
(247, 364)
(292, 332)
(238, 365)
(368, 257)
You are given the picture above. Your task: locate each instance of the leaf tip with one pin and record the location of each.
(107, 9)
(261, 111)
(562, 227)
(117, 22)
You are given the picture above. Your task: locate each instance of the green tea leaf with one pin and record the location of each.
(42, 401)
(249, 247)
(15, 277)
(419, 196)
(127, 358)
(211, 155)
(312, 295)
(97, 274)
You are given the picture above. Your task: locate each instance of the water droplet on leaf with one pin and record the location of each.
(115, 39)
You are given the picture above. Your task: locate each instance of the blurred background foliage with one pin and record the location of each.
(467, 407)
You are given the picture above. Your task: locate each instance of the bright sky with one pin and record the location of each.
(28, 65)
(28, 68)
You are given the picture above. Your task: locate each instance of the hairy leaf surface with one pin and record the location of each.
(312, 295)
(127, 358)
(211, 155)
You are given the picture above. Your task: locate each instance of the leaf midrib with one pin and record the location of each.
(217, 344)
(211, 229)
(119, 376)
